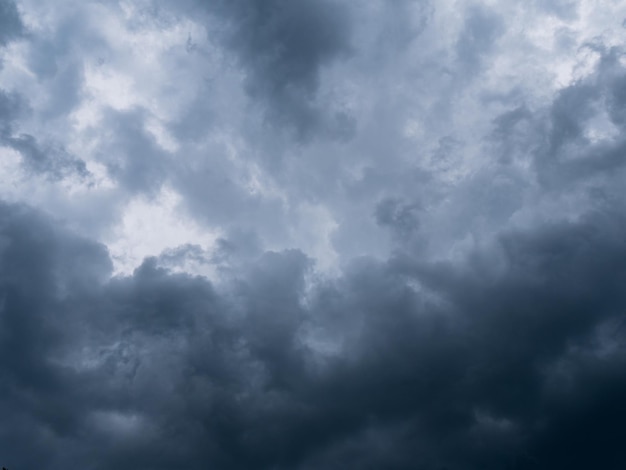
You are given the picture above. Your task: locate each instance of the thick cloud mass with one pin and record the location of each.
(480, 366)
(312, 235)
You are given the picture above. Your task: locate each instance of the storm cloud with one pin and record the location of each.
(304, 235)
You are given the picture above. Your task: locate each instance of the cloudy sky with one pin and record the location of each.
(312, 234)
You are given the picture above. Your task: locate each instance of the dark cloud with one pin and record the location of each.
(401, 217)
(406, 364)
(11, 26)
(282, 47)
(568, 140)
(51, 162)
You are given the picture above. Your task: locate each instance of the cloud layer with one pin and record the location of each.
(303, 235)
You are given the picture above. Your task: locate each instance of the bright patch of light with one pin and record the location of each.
(150, 226)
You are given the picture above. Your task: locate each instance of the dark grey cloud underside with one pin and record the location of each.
(223, 379)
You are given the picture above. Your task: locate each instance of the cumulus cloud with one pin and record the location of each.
(302, 235)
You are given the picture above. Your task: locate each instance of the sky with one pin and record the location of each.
(312, 234)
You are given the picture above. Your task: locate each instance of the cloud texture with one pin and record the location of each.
(312, 235)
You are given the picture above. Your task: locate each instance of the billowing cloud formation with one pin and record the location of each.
(303, 235)
(511, 356)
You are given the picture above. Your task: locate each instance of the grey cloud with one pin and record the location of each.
(514, 134)
(564, 9)
(576, 138)
(282, 47)
(11, 106)
(401, 217)
(565, 148)
(217, 192)
(40, 158)
(11, 26)
(613, 76)
(176, 256)
(481, 29)
(471, 365)
(53, 163)
(57, 56)
(50, 162)
(41, 268)
(401, 23)
(131, 154)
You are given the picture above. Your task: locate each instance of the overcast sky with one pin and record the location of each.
(312, 234)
